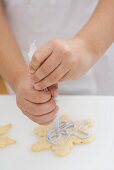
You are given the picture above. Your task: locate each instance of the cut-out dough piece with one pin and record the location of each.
(4, 129)
(5, 141)
(64, 145)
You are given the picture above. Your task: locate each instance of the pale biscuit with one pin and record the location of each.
(4, 140)
(4, 129)
(64, 144)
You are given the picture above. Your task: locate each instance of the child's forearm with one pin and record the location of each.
(12, 64)
(99, 30)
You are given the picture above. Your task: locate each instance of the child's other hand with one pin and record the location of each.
(61, 60)
(39, 106)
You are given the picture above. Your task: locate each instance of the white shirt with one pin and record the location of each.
(44, 20)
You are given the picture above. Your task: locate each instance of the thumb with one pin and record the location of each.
(54, 90)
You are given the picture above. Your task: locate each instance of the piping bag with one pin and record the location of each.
(32, 49)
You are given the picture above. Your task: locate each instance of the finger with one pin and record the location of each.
(43, 119)
(53, 90)
(53, 78)
(38, 109)
(48, 66)
(67, 76)
(49, 117)
(70, 74)
(35, 96)
(39, 57)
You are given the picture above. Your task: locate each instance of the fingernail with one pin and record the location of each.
(37, 87)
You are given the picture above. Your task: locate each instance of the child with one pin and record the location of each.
(75, 42)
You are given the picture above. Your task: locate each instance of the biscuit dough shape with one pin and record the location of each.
(4, 140)
(64, 146)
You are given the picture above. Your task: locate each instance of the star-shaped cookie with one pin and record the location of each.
(78, 135)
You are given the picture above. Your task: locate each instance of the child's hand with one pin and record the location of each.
(39, 106)
(61, 60)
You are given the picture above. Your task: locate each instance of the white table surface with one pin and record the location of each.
(96, 156)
